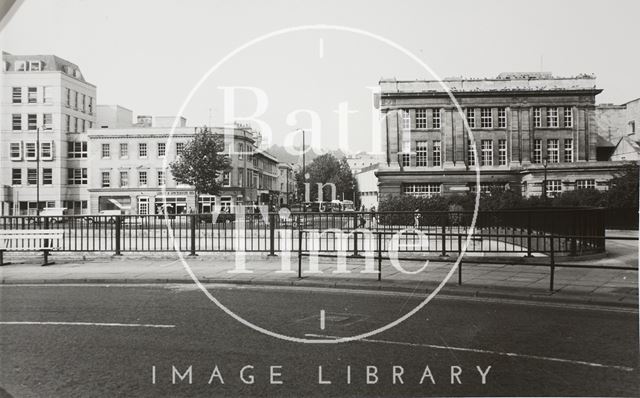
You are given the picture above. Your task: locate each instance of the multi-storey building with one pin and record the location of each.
(361, 160)
(521, 124)
(44, 98)
(127, 170)
(265, 177)
(286, 184)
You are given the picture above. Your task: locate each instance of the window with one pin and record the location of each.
(537, 151)
(47, 96)
(84, 126)
(162, 149)
(161, 179)
(568, 117)
(421, 153)
(124, 150)
(20, 66)
(421, 118)
(537, 117)
(179, 148)
(552, 117)
(568, 150)
(632, 126)
(486, 120)
(47, 122)
(142, 178)
(91, 105)
(240, 177)
(16, 95)
(143, 205)
(67, 123)
(68, 98)
(585, 184)
(487, 153)
(437, 153)
(77, 149)
(435, 121)
(471, 117)
(77, 176)
(15, 151)
(75, 100)
(502, 152)
(554, 187)
(47, 176)
(84, 103)
(226, 179)
(32, 95)
(142, 150)
(502, 118)
(16, 122)
(106, 179)
(471, 155)
(406, 119)
(16, 176)
(124, 179)
(32, 177)
(34, 66)
(32, 122)
(553, 149)
(106, 151)
(30, 150)
(46, 150)
(406, 154)
(75, 124)
(240, 150)
(423, 189)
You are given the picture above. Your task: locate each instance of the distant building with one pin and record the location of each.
(286, 184)
(113, 117)
(368, 187)
(363, 159)
(48, 94)
(520, 123)
(127, 171)
(618, 124)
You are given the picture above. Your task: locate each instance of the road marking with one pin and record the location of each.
(321, 48)
(321, 319)
(480, 351)
(128, 325)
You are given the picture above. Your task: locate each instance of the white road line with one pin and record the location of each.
(480, 351)
(128, 325)
(321, 319)
(321, 48)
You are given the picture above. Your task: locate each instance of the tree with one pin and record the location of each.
(623, 192)
(201, 163)
(327, 169)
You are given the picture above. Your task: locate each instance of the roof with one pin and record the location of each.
(511, 81)
(50, 63)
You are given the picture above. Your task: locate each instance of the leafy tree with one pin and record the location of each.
(623, 192)
(201, 163)
(327, 169)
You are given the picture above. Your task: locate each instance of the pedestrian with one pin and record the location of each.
(374, 218)
(416, 218)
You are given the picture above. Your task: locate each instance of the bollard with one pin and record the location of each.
(192, 219)
(272, 233)
(118, 236)
(379, 256)
(299, 254)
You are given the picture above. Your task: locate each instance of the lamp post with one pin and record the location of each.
(38, 173)
(545, 163)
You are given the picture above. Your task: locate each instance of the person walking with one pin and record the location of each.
(416, 219)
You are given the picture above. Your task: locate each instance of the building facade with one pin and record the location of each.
(367, 187)
(128, 172)
(47, 99)
(286, 184)
(513, 127)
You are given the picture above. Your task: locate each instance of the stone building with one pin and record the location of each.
(127, 170)
(286, 184)
(521, 124)
(45, 96)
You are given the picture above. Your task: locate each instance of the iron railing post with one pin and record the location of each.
(574, 232)
(460, 272)
(553, 259)
(299, 253)
(529, 233)
(443, 222)
(379, 256)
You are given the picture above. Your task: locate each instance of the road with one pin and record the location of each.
(101, 340)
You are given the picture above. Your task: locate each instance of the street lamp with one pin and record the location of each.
(545, 163)
(38, 173)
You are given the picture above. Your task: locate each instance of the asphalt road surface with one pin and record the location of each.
(132, 340)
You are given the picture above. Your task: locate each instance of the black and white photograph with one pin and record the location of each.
(306, 198)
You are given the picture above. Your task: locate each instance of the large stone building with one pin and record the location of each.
(521, 124)
(45, 96)
(127, 170)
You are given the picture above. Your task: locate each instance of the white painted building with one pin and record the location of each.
(368, 187)
(47, 96)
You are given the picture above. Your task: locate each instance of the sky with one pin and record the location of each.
(149, 55)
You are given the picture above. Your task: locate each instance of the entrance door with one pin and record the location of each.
(143, 205)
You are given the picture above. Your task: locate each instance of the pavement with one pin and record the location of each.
(524, 281)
